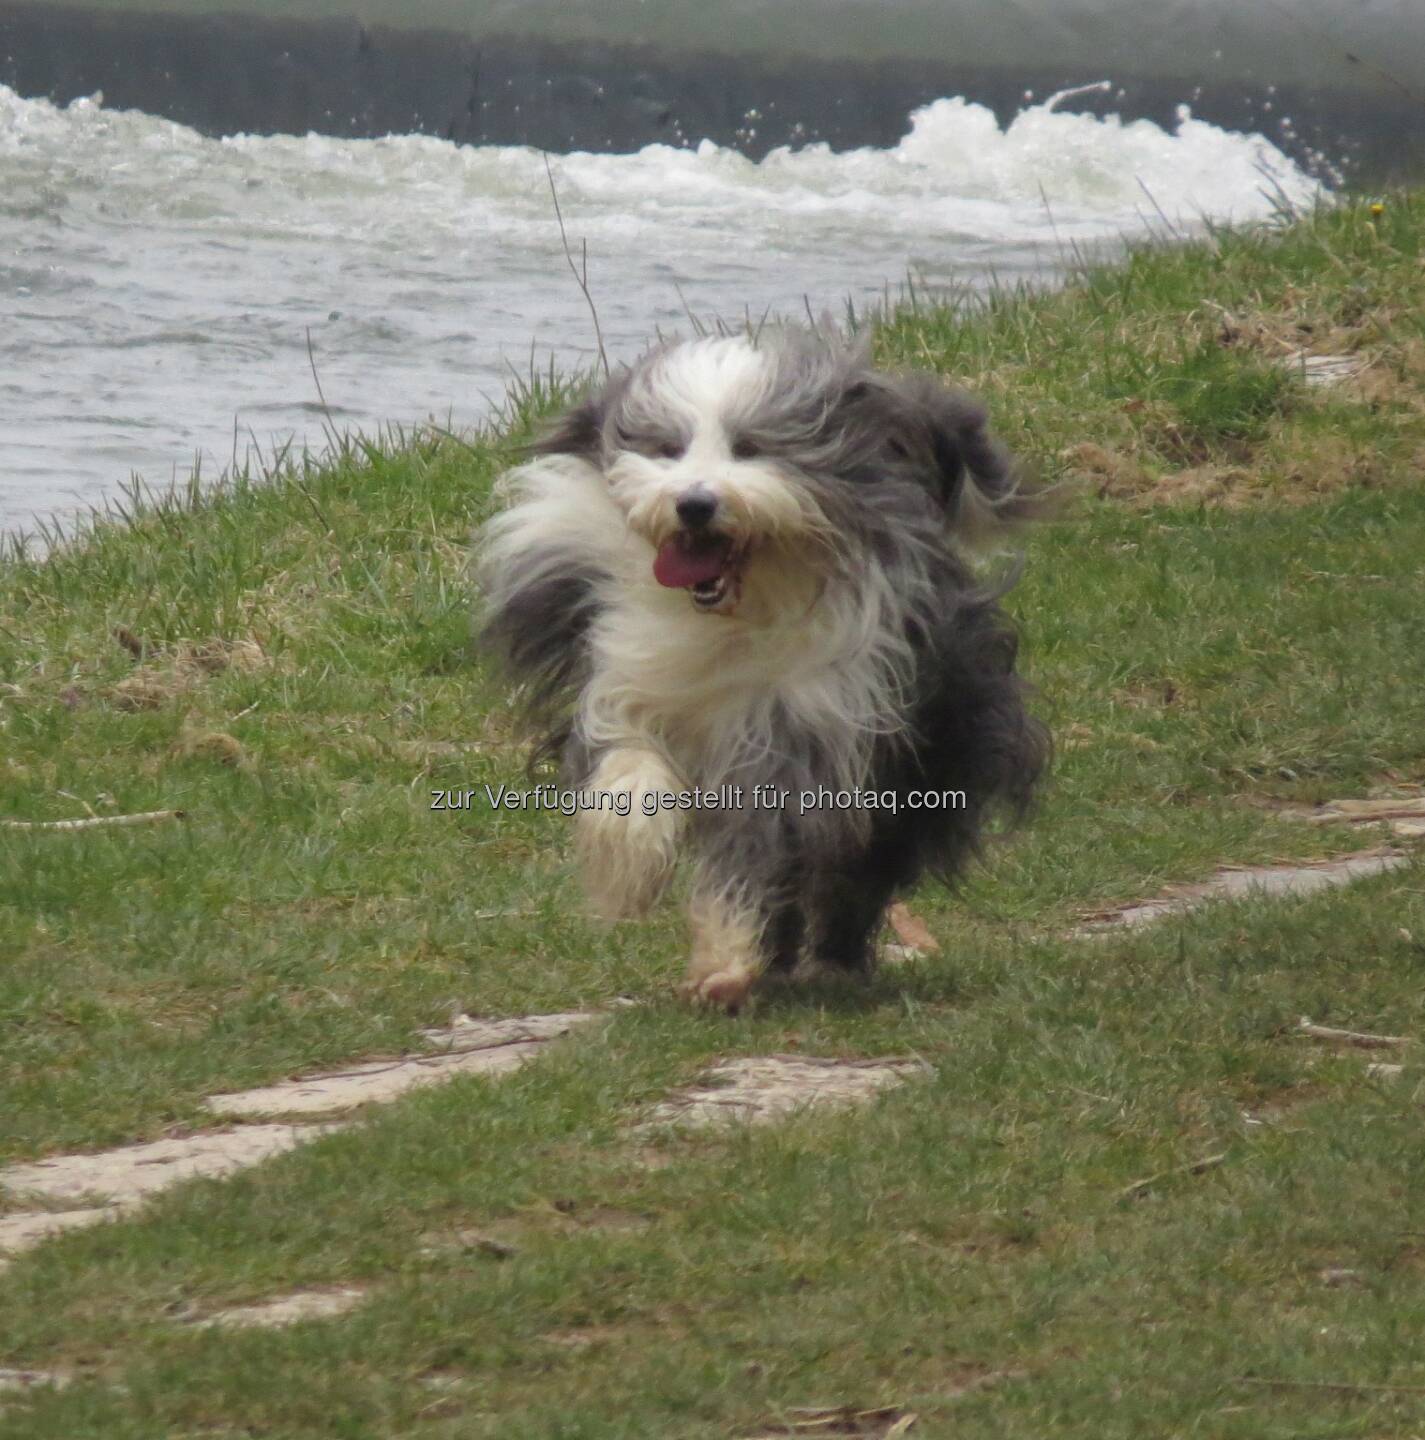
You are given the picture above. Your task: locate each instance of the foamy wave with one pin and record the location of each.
(963, 173)
(170, 280)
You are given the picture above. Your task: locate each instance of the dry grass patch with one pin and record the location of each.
(167, 673)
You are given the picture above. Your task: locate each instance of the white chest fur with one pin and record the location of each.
(716, 694)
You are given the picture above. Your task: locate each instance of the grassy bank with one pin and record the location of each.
(1229, 618)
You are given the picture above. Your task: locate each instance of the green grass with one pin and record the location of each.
(305, 680)
(1161, 376)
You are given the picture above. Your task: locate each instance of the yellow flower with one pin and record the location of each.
(1377, 208)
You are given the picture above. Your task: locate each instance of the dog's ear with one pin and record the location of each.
(578, 431)
(974, 469)
(940, 434)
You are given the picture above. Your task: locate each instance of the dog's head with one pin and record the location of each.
(734, 456)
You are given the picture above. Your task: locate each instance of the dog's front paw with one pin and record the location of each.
(627, 851)
(722, 990)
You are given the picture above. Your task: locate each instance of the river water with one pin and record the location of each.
(158, 288)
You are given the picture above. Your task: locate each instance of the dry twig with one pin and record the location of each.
(579, 272)
(95, 822)
(1196, 1167)
(1334, 1387)
(1401, 810)
(885, 1422)
(1356, 1039)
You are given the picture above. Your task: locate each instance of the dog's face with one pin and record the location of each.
(693, 459)
(778, 459)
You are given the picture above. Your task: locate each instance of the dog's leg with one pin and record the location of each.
(732, 936)
(626, 859)
(848, 903)
(785, 936)
(846, 913)
(746, 909)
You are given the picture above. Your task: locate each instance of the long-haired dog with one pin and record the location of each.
(732, 584)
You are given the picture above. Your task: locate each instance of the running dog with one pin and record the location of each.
(737, 588)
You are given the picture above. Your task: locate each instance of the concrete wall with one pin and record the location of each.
(229, 73)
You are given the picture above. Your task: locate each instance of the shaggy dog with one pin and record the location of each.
(734, 588)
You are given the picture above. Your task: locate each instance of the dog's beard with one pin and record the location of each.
(763, 515)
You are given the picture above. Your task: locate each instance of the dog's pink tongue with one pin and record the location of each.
(678, 567)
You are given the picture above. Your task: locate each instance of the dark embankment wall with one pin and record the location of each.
(231, 73)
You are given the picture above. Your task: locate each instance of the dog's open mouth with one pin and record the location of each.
(708, 567)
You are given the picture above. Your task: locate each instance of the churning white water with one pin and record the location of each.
(159, 287)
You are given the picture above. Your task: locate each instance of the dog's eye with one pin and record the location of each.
(745, 449)
(672, 449)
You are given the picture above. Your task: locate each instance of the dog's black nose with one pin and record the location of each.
(696, 507)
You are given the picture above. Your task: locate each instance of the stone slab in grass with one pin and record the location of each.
(107, 1184)
(1403, 814)
(760, 1089)
(288, 1309)
(22, 1380)
(1320, 372)
(467, 1047)
(1263, 881)
(466, 1033)
(134, 1172)
(20, 1232)
(102, 1185)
